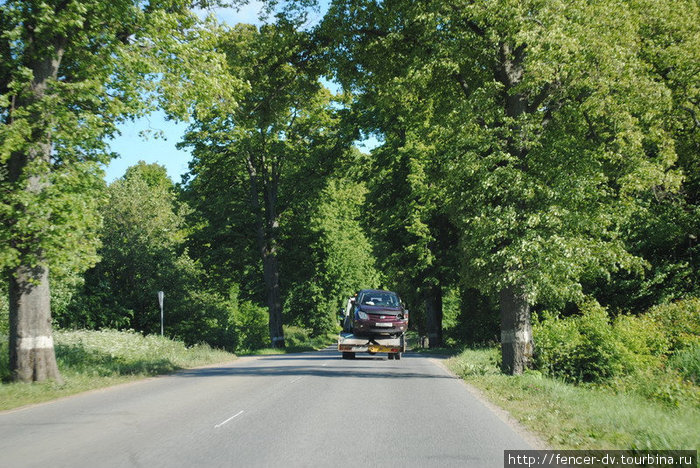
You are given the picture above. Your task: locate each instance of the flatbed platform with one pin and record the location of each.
(350, 344)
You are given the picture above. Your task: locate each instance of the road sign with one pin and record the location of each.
(161, 296)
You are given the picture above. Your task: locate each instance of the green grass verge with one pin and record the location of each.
(95, 359)
(567, 416)
(297, 340)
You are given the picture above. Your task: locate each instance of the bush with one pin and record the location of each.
(556, 346)
(664, 385)
(588, 348)
(309, 306)
(296, 336)
(679, 321)
(687, 363)
(643, 342)
(251, 325)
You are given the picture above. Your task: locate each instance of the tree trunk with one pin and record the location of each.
(32, 356)
(516, 331)
(267, 226)
(274, 301)
(433, 310)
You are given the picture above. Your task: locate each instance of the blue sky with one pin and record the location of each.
(132, 147)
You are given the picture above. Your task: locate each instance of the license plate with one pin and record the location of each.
(382, 324)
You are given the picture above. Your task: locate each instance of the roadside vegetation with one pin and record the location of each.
(94, 359)
(569, 416)
(627, 383)
(298, 340)
(91, 359)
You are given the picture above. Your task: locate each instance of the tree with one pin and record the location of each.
(70, 70)
(143, 252)
(282, 121)
(547, 137)
(339, 260)
(664, 228)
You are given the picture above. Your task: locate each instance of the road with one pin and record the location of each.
(309, 409)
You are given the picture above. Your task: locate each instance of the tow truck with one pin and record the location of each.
(349, 344)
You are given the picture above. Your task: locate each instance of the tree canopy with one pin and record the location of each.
(531, 155)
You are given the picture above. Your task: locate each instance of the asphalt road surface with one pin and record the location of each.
(310, 409)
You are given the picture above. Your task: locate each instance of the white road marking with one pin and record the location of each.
(324, 364)
(229, 419)
(297, 379)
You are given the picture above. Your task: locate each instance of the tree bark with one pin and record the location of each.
(267, 226)
(274, 301)
(516, 331)
(32, 355)
(433, 309)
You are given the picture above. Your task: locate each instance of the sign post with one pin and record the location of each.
(161, 295)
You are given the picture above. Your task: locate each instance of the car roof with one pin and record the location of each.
(377, 291)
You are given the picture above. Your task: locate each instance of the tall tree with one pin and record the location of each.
(69, 71)
(282, 119)
(337, 259)
(543, 111)
(142, 252)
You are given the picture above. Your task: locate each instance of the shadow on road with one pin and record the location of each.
(372, 367)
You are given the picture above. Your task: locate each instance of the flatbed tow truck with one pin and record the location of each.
(349, 344)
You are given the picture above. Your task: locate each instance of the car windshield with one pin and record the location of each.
(375, 298)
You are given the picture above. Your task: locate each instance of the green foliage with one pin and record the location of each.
(91, 359)
(654, 355)
(588, 348)
(339, 260)
(273, 211)
(251, 325)
(680, 322)
(571, 416)
(687, 362)
(303, 339)
(4, 355)
(107, 61)
(142, 253)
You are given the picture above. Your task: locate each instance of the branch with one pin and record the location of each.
(693, 116)
(539, 99)
(463, 85)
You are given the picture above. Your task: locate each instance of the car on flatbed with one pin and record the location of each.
(377, 312)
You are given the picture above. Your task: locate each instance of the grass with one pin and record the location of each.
(568, 416)
(96, 359)
(297, 340)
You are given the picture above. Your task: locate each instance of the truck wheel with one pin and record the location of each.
(391, 356)
(397, 356)
(347, 355)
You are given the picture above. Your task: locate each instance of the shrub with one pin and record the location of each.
(600, 354)
(251, 325)
(556, 344)
(679, 321)
(587, 348)
(643, 342)
(296, 336)
(687, 363)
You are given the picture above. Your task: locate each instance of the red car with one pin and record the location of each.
(378, 312)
